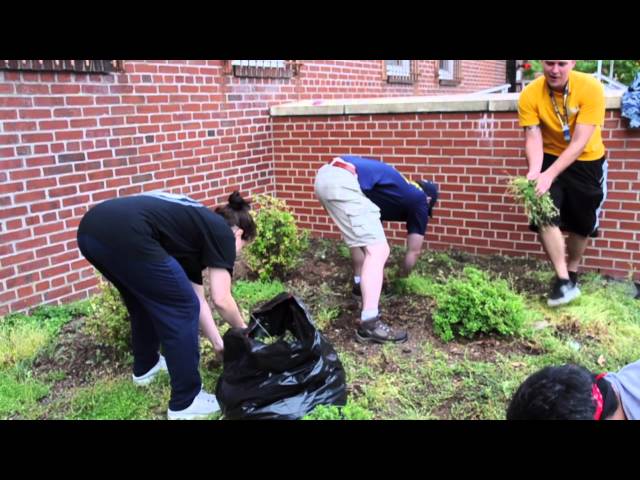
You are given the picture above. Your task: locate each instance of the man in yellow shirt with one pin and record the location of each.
(562, 113)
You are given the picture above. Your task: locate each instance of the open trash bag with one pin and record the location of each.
(281, 367)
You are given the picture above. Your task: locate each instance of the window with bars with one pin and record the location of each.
(449, 72)
(83, 66)
(399, 71)
(263, 68)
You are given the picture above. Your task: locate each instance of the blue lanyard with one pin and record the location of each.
(564, 120)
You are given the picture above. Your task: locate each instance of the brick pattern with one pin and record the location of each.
(70, 140)
(471, 156)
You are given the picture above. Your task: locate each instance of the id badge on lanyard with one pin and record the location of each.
(564, 120)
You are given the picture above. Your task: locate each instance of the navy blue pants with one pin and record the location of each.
(164, 310)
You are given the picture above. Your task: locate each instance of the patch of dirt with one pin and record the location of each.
(323, 279)
(322, 264)
(80, 358)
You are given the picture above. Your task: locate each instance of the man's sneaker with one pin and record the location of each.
(376, 331)
(573, 276)
(563, 291)
(148, 377)
(202, 406)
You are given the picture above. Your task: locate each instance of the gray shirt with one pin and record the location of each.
(627, 383)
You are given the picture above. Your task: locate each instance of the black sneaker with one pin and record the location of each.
(637, 284)
(573, 276)
(376, 331)
(563, 291)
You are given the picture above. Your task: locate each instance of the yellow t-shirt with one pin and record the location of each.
(585, 105)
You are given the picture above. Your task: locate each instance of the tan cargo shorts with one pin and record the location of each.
(357, 217)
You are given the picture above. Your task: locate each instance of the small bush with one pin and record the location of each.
(250, 295)
(350, 411)
(539, 209)
(476, 303)
(279, 243)
(108, 319)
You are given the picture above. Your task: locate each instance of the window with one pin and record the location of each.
(449, 72)
(83, 66)
(399, 71)
(263, 68)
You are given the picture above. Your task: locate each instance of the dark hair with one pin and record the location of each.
(560, 393)
(236, 213)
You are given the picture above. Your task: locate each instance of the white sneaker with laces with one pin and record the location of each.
(148, 377)
(202, 406)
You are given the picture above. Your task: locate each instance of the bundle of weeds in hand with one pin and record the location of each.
(540, 209)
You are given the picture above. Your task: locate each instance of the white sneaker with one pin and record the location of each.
(202, 406)
(148, 377)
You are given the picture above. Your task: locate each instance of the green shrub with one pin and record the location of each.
(23, 336)
(476, 303)
(108, 319)
(279, 243)
(539, 209)
(350, 411)
(250, 295)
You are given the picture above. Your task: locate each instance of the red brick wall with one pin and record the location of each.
(470, 155)
(68, 141)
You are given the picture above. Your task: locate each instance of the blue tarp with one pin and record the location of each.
(631, 103)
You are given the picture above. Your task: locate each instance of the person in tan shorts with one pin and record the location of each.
(339, 189)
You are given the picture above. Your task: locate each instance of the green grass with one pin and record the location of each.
(20, 393)
(600, 330)
(22, 336)
(119, 399)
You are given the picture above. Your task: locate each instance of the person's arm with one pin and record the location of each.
(414, 246)
(207, 324)
(223, 302)
(533, 151)
(581, 135)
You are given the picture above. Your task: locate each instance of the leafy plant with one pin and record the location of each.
(476, 303)
(250, 294)
(350, 411)
(22, 336)
(325, 316)
(540, 209)
(279, 243)
(108, 319)
(624, 71)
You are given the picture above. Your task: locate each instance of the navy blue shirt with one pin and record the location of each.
(155, 225)
(398, 199)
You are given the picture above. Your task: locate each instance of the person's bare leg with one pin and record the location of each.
(372, 275)
(576, 245)
(553, 242)
(357, 259)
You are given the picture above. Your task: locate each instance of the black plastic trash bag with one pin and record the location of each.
(280, 367)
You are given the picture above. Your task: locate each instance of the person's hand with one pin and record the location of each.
(543, 183)
(219, 351)
(532, 175)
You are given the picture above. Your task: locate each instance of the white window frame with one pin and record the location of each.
(402, 69)
(446, 69)
(259, 63)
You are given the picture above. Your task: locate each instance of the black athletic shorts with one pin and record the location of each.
(579, 193)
